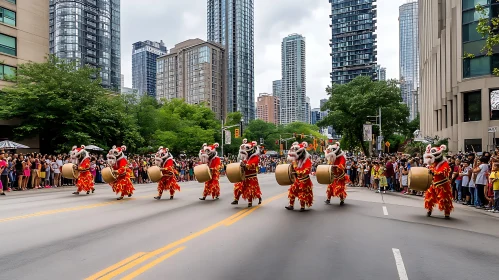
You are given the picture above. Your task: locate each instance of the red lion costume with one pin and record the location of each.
(336, 157)
(164, 159)
(249, 188)
(118, 162)
(208, 155)
(85, 181)
(440, 191)
(302, 186)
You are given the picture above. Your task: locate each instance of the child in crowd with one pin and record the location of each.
(494, 180)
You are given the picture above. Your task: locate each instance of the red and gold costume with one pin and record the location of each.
(440, 192)
(302, 186)
(340, 179)
(85, 181)
(123, 184)
(249, 187)
(169, 180)
(208, 155)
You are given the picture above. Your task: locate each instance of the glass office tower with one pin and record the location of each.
(409, 54)
(353, 42)
(88, 31)
(144, 56)
(230, 23)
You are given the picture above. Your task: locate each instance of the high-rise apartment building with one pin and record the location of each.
(380, 73)
(194, 70)
(144, 56)
(122, 81)
(308, 111)
(276, 88)
(353, 43)
(459, 96)
(230, 23)
(409, 54)
(88, 31)
(315, 115)
(267, 108)
(293, 95)
(24, 37)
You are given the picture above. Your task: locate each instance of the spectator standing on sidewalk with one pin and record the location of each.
(494, 179)
(4, 168)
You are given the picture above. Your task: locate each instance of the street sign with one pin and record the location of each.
(228, 137)
(387, 144)
(368, 132)
(379, 143)
(261, 141)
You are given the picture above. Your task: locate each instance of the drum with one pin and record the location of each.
(283, 175)
(235, 173)
(324, 174)
(420, 179)
(154, 173)
(202, 173)
(69, 172)
(107, 175)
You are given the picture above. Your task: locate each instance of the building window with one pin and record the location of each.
(7, 16)
(7, 71)
(472, 105)
(472, 145)
(478, 66)
(494, 104)
(11, 1)
(7, 44)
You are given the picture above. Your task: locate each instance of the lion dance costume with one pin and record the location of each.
(249, 187)
(118, 162)
(85, 181)
(336, 157)
(440, 191)
(164, 159)
(208, 155)
(302, 186)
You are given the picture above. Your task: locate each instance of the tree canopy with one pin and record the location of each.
(352, 105)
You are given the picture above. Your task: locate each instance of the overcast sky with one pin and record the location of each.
(174, 21)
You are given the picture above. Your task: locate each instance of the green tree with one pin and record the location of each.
(259, 129)
(488, 27)
(59, 101)
(351, 105)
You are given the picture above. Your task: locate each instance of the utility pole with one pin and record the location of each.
(223, 138)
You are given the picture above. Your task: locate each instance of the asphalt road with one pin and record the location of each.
(52, 234)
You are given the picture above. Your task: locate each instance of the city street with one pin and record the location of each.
(52, 234)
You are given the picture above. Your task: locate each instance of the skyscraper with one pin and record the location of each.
(230, 23)
(409, 54)
(380, 73)
(144, 55)
(267, 108)
(353, 43)
(276, 88)
(88, 31)
(194, 70)
(293, 97)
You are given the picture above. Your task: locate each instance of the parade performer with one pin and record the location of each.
(118, 162)
(440, 191)
(81, 159)
(208, 155)
(336, 157)
(301, 167)
(164, 160)
(249, 187)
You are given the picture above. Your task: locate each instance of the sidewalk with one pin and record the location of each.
(46, 190)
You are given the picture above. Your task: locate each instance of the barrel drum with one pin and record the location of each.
(419, 179)
(108, 176)
(202, 173)
(284, 175)
(324, 174)
(69, 172)
(154, 173)
(235, 173)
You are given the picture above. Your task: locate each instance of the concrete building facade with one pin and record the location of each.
(459, 98)
(267, 108)
(194, 70)
(24, 37)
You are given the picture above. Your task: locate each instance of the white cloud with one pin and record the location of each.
(174, 21)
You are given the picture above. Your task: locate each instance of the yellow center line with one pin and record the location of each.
(235, 219)
(144, 258)
(115, 266)
(151, 264)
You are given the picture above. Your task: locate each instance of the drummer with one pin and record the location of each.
(81, 160)
(302, 186)
(164, 159)
(337, 160)
(440, 191)
(249, 187)
(208, 155)
(118, 162)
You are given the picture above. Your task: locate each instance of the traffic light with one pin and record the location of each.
(236, 133)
